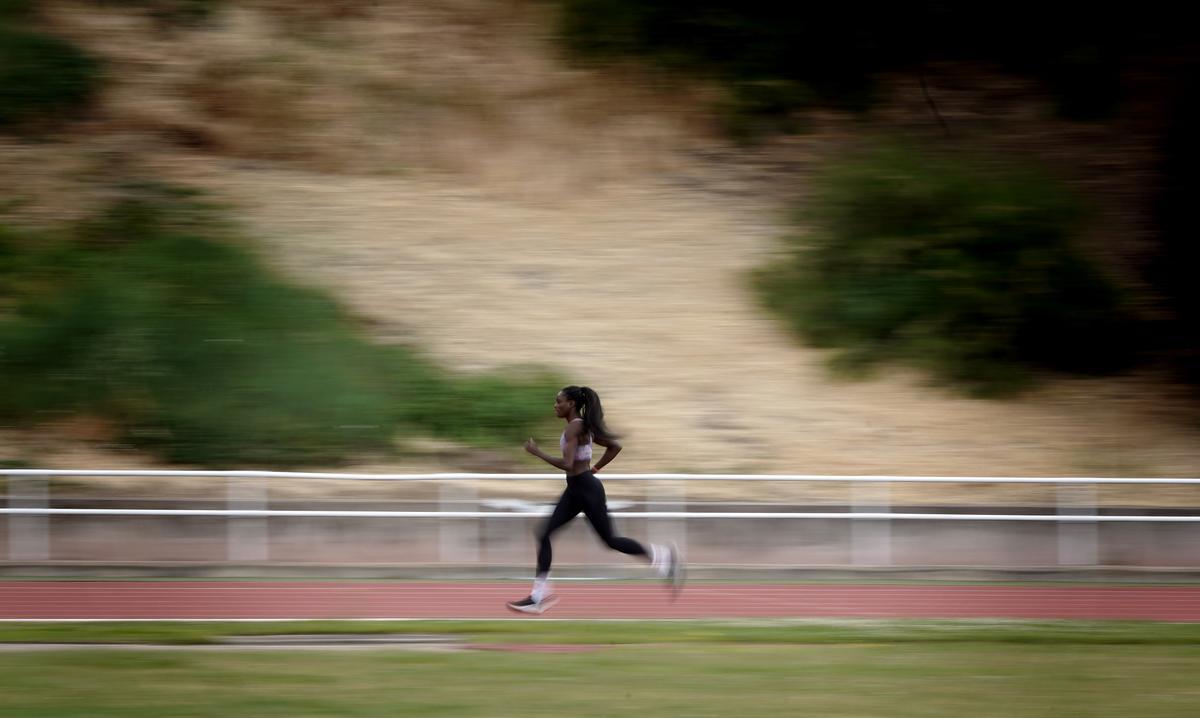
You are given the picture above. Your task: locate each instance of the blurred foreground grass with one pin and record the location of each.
(649, 669)
(765, 631)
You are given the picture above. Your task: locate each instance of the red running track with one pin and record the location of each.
(360, 599)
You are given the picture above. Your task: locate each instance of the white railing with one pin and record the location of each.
(29, 506)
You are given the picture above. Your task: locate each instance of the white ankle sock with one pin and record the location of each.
(540, 589)
(660, 559)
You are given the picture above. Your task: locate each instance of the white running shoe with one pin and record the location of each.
(528, 605)
(676, 571)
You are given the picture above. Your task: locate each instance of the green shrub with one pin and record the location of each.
(15, 10)
(173, 12)
(774, 58)
(154, 317)
(42, 78)
(1173, 268)
(961, 266)
(490, 409)
(834, 52)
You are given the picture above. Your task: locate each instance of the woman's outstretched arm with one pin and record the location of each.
(568, 458)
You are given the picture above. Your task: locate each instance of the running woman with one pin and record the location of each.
(579, 406)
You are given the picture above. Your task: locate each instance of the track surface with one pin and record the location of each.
(362, 599)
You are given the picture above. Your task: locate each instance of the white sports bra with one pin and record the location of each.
(583, 452)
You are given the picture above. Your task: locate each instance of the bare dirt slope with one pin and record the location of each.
(439, 169)
(640, 291)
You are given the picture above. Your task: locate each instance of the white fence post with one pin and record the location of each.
(28, 534)
(1077, 540)
(672, 498)
(871, 539)
(247, 536)
(458, 539)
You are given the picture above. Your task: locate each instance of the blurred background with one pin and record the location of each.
(379, 236)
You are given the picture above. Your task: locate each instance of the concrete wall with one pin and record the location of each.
(734, 543)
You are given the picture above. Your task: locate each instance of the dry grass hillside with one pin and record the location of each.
(439, 168)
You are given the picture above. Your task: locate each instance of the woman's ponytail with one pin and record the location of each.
(587, 403)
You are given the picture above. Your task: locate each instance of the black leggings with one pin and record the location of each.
(584, 493)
